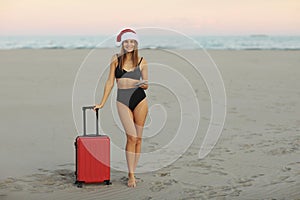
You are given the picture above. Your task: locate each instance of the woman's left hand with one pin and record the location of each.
(144, 86)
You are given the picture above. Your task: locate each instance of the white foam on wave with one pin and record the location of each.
(153, 42)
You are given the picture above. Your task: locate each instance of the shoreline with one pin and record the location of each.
(171, 41)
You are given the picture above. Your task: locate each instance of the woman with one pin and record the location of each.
(131, 74)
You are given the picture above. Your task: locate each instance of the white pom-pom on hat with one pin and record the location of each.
(126, 34)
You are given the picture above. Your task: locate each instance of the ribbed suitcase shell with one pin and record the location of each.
(92, 155)
(92, 159)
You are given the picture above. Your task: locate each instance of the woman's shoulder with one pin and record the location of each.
(142, 60)
(115, 57)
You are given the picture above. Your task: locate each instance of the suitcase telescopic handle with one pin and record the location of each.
(84, 118)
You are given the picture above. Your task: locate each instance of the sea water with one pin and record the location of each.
(163, 41)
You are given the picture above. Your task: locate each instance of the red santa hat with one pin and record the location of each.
(126, 34)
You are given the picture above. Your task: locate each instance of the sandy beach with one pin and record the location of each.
(256, 157)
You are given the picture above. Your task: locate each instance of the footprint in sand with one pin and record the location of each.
(257, 175)
(157, 186)
(162, 174)
(244, 182)
(160, 185)
(194, 194)
(280, 151)
(222, 173)
(286, 169)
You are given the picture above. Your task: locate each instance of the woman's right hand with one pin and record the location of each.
(98, 106)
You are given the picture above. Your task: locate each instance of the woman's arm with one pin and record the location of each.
(144, 71)
(109, 83)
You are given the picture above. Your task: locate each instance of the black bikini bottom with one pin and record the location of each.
(131, 97)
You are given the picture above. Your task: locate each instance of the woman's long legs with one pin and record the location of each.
(139, 113)
(126, 117)
(133, 123)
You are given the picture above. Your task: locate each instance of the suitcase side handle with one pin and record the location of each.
(84, 108)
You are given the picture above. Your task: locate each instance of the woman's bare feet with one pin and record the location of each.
(131, 180)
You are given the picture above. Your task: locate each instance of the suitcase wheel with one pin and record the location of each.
(79, 184)
(107, 182)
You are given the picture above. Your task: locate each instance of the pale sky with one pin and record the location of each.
(202, 17)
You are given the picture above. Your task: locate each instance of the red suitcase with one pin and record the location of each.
(92, 156)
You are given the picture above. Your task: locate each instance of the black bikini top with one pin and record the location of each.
(134, 74)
